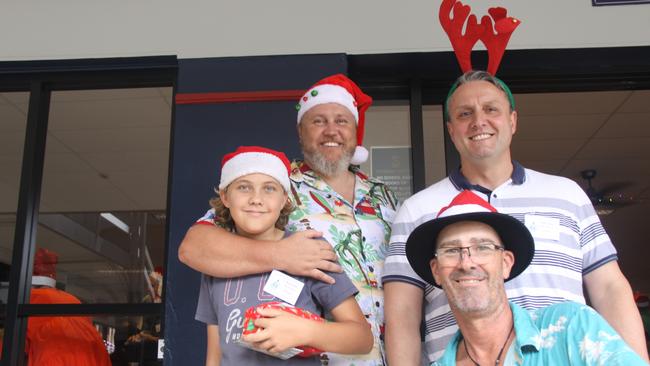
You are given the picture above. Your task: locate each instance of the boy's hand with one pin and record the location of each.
(280, 331)
(305, 254)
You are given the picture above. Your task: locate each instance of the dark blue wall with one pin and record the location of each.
(202, 134)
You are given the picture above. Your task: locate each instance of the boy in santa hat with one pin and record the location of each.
(351, 211)
(253, 203)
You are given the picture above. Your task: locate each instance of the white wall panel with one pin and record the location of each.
(45, 29)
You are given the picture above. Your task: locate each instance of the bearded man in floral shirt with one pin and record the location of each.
(332, 199)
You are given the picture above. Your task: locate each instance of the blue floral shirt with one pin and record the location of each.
(567, 333)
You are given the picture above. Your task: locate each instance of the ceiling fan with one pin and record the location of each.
(606, 200)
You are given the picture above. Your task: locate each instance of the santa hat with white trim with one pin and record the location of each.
(44, 273)
(255, 159)
(467, 206)
(340, 89)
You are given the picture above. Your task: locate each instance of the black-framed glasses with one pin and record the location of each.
(479, 253)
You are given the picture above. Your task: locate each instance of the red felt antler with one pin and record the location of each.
(462, 43)
(495, 42)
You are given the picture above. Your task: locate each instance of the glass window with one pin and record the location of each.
(13, 120)
(124, 340)
(388, 139)
(434, 144)
(607, 132)
(104, 193)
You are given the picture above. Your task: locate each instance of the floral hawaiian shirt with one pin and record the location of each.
(359, 231)
(567, 333)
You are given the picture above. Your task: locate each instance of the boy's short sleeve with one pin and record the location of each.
(205, 307)
(330, 296)
(207, 219)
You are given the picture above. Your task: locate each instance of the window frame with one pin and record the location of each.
(41, 78)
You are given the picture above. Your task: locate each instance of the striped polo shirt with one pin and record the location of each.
(570, 242)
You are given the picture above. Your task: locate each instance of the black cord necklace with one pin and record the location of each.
(498, 361)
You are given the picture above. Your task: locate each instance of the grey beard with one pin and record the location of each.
(470, 302)
(326, 168)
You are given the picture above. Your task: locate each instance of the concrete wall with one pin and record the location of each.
(41, 29)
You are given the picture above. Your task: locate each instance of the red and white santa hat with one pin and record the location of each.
(44, 273)
(255, 159)
(340, 89)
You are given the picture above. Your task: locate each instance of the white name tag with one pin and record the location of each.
(161, 349)
(543, 227)
(284, 287)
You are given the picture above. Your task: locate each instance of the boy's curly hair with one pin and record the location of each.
(223, 218)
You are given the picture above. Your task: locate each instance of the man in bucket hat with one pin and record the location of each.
(469, 250)
(574, 257)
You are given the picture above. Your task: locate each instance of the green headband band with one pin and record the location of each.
(503, 86)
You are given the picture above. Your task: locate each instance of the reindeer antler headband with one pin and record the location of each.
(495, 37)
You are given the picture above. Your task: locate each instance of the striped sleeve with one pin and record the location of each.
(597, 247)
(396, 266)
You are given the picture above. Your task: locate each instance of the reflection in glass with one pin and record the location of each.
(99, 341)
(104, 192)
(70, 340)
(13, 120)
(388, 138)
(131, 340)
(109, 264)
(388, 126)
(434, 144)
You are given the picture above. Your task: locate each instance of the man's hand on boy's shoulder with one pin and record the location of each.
(305, 254)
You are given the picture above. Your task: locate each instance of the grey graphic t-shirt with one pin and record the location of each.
(224, 302)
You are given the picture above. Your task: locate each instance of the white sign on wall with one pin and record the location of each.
(392, 165)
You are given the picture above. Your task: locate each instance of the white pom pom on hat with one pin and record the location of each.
(341, 90)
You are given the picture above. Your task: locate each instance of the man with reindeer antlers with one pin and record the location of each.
(572, 249)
